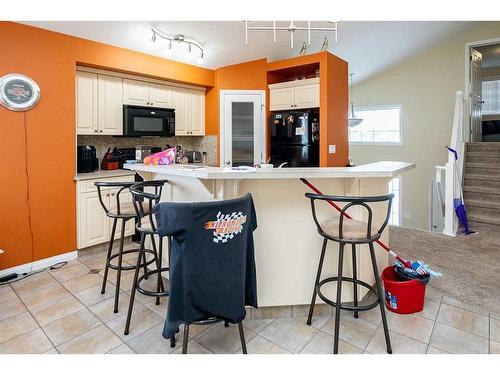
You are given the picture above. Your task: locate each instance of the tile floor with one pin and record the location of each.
(62, 311)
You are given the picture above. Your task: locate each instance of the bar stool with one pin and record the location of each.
(355, 233)
(144, 203)
(123, 211)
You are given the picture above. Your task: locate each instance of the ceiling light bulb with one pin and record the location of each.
(189, 47)
(200, 58)
(168, 51)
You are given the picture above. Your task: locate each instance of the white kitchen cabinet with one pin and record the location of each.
(86, 103)
(93, 225)
(298, 94)
(109, 107)
(135, 92)
(198, 112)
(146, 94)
(189, 108)
(160, 96)
(306, 96)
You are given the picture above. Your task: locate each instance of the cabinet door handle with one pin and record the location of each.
(100, 131)
(152, 103)
(95, 131)
(112, 194)
(107, 195)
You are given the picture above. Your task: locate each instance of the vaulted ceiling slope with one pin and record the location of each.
(369, 47)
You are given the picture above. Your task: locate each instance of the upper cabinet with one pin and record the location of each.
(146, 94)
(189, 108)
(294, 94)
(100, 99)
(109, 105)
(86, 103)
(98, 104)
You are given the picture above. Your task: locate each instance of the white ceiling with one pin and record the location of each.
(369, 47)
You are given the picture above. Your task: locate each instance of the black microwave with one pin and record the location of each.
(139, 121)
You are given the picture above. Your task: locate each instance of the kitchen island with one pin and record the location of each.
(287, 244)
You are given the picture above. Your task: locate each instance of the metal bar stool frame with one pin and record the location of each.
(213, 320)
(118, 215)
(147, 227)
(370, 239)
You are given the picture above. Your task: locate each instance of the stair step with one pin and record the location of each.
(482, 203)
(483, 180)
(483, 157)
(472, 219)
(492, 212)
(482, 169)
(482, 189)
(483, 146)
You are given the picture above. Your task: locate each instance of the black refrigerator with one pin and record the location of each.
(295, 138)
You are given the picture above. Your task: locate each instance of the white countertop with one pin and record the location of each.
(378, 169)
(103, 174)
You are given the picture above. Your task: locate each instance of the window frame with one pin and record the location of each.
(381, 107)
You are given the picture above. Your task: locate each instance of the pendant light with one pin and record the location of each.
(353, 121)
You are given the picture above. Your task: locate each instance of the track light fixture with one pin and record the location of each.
(179, 38)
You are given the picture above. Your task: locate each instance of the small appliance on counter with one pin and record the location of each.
(108, 163)
(194, 156)
(121, 155)
(86, 160)
(295, 138)
(141, 151)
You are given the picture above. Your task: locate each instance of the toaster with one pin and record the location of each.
(194, 156)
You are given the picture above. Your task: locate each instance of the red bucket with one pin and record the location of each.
(402, 296)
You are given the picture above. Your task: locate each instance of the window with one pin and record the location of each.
(395, 188)
(381, 125)
(491, 96)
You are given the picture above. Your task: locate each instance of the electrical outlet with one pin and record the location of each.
(332, 149)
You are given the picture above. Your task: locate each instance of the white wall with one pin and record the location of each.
(425, 85)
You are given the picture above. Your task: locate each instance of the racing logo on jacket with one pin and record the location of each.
(226, 226)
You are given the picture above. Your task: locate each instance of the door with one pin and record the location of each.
(110, 108)
(306, 96)
(160, 96)
(86, 103)
(242, 122)
(198, 112)
(135, 92)
(476, 97)
(281, 99)
(94, 224)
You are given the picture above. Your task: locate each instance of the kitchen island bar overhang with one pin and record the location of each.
(287, 242)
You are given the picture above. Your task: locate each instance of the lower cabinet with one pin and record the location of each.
(93, 225)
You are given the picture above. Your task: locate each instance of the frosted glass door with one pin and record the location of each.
(243, 129)
(242, 144)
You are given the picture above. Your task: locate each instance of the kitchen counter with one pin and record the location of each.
(379, 169)
(103, 174)
(287, 244)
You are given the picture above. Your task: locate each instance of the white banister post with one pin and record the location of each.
(450, 220)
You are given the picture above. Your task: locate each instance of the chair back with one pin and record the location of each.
(145, 196)
(352, 202)
(212, 265)
(121, 186)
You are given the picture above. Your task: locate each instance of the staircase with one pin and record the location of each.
(482, 183)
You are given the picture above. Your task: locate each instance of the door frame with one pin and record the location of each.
(467, 92)
(222, 125)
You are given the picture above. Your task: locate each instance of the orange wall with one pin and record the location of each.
(50, 59)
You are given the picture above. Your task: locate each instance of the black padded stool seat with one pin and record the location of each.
(347, 231)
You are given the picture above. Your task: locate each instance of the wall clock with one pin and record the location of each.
(18, 92)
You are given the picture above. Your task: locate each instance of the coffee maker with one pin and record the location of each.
(86, 160)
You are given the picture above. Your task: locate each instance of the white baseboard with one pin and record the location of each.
(40, 264)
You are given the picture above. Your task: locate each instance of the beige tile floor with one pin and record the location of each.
(62, 311)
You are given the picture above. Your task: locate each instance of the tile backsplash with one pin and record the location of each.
(206, 144)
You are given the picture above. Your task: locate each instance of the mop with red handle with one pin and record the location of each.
(415, 269)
